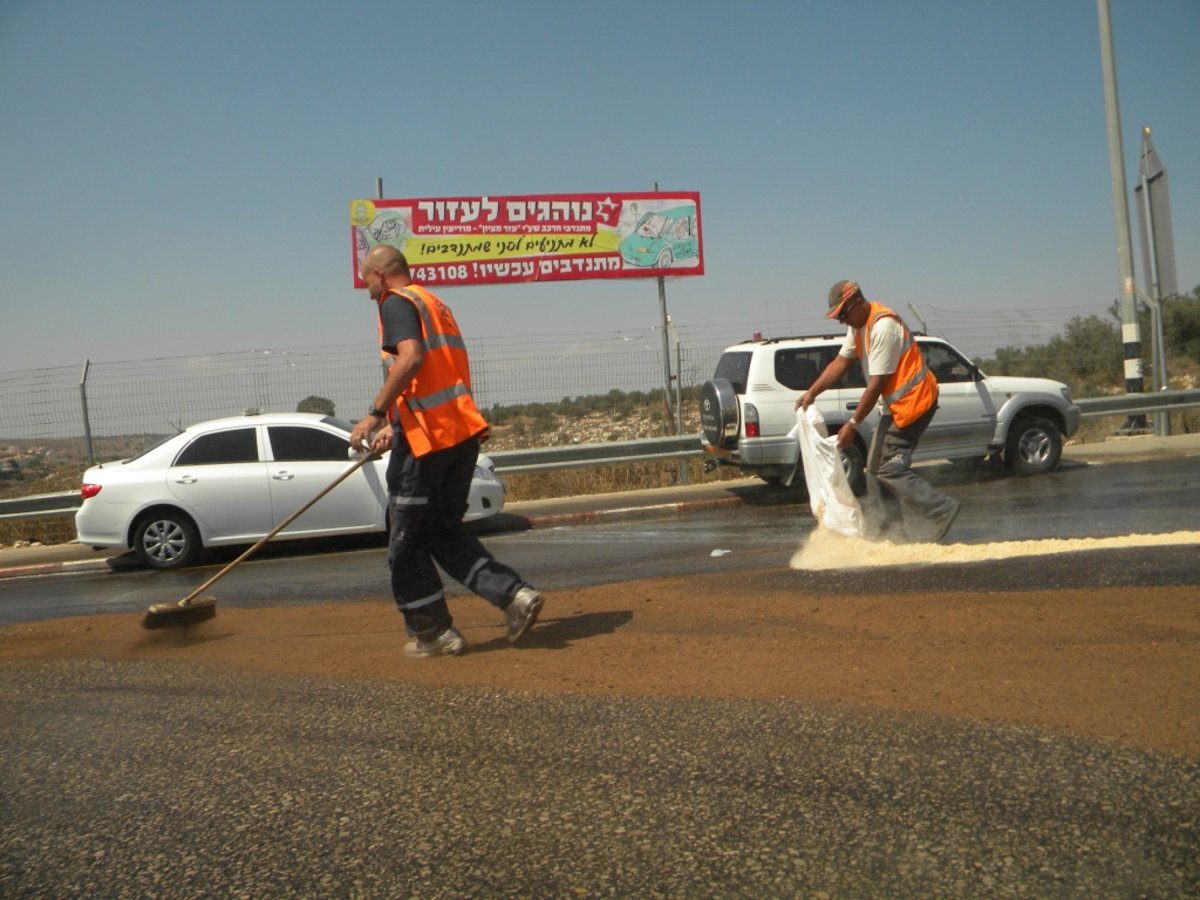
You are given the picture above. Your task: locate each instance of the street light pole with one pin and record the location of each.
(1130, 332)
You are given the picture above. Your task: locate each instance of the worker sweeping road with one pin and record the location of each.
(898, 378)
(425, 415)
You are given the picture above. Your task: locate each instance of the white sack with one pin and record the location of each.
(833, 503)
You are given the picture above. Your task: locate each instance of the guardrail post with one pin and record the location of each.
(87, 425)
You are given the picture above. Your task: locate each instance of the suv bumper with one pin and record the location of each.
(1071, 419)
(755, 453)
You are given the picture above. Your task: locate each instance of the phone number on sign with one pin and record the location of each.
(441, 273)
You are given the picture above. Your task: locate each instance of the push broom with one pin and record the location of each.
(193, 608)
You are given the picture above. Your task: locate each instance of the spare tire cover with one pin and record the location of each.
(718, 412)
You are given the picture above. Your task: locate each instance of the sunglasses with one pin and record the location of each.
(841, 316)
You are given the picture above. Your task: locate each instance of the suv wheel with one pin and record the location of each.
(854, 464)
(1034, 445)
(719, 413)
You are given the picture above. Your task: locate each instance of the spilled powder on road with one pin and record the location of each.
(826, 549)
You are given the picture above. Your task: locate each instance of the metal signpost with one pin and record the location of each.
(1158, 258)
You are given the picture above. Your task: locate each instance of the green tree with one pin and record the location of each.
(1089, 354)
(1181, 325)
(315, 404)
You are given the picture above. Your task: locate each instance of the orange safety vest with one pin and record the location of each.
(910, 391)
(436, 410)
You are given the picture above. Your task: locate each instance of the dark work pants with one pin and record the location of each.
(895, 493)
(427, 498)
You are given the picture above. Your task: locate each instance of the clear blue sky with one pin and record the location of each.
(176, 176)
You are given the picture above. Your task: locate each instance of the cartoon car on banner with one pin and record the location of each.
(661, 239)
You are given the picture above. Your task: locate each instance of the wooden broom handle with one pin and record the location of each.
(358, 464)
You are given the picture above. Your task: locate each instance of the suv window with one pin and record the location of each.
(947, 366)
(798, 369)
(854, 377)
(236, 446)
(292, 443)
(735, 368)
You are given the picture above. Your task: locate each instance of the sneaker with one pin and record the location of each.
(522, 612)
(945, 522)
(449, 643)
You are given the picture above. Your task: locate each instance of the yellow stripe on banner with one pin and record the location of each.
(487, 247)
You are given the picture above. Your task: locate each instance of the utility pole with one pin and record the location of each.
(666, 347)
(1130, 332)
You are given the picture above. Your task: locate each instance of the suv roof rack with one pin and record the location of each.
(814, 337)
(794, 337)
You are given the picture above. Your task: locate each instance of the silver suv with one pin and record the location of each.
(748, 407)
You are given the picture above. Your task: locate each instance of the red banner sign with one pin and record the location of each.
(536, 237)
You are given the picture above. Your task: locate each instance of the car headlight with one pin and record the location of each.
(484, 474)
(1066, 392)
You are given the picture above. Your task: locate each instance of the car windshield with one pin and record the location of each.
(652, 225)
(340, 424)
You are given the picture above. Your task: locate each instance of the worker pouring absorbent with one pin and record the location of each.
(900, 504)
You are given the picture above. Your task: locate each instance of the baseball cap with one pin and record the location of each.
(840, 294)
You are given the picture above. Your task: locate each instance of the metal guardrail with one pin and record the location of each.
(544, 459)
(574, 455)
(37, 505)
(1151, 402)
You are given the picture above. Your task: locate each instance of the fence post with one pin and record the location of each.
(87, 425)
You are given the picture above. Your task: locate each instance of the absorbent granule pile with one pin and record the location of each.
(826, 549)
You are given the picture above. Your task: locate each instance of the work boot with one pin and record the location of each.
(522, 612)
(449, 643)
(943, 524)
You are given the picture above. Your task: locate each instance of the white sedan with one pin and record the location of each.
(230, 481)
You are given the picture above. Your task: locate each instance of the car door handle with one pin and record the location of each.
(853, 404)
(187, 479)
(283, 476)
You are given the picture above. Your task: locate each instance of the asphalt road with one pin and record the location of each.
(169, 780)
(761, 532)
(160, 780)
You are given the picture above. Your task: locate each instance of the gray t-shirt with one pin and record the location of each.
(401, 322)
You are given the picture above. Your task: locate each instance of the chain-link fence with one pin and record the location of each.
(117, 408)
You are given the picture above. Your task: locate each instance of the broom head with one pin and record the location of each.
(171, 615)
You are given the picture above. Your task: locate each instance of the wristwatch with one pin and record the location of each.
(376, 411)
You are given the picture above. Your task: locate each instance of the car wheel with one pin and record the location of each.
(1034, 446)
(664, 260)
(166, 539)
